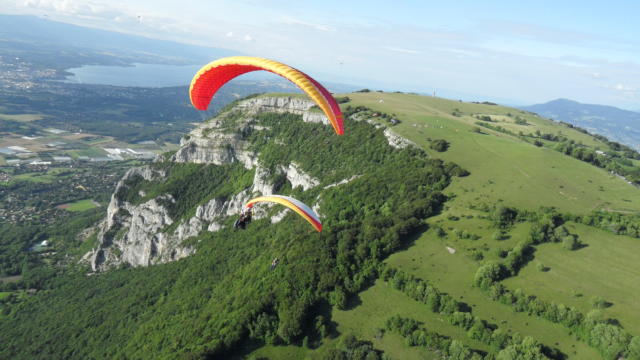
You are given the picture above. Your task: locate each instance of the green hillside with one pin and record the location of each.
(508, 170)
(503, 236)
(505, 167)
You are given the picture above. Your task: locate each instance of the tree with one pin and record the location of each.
(521, 121)
(528, 349)
(610, 340)
(633, 350)
(338, 298)
(504, 217)
(487, 274)
(570, 242)
(439, 145)
(457, 351)
(599, 303)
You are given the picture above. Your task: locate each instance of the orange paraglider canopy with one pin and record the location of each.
(212, 76)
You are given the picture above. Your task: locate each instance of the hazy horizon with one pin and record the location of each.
(520, 53)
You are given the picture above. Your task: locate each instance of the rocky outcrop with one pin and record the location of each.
(315, 117)
(145, 172)
(396, 140)
(133, 234)
(217, 142)
(298, 178)
(261, 184)
(290, 104)
(367, 119)
(343, 181)
(136, 234)
(207, 144)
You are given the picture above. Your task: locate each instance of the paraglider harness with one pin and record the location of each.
(244, 219)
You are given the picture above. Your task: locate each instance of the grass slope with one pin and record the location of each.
(607, 267)
(507, 170)
(453, 274)
(504, 167)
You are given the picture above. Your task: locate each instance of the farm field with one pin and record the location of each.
(46, 146)
(21, 117)
(80, 205)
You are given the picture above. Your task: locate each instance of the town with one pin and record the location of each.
(46, 192)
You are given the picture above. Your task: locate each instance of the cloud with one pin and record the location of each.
(319, 27)
(229, 34)
(622, 91)
(114, 16)
(248, 37)
(402, 50)
(78, 8)
(459, 52)
(534, 32)
(621, 87)
(595, 75)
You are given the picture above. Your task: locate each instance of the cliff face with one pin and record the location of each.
(214, 143)
(136, 234)
(144, 233)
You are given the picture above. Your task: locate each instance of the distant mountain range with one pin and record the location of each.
(616, 124)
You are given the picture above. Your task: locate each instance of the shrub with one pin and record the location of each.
(439, 145)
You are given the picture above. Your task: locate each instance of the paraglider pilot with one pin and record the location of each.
(274, 263)
(244, 219)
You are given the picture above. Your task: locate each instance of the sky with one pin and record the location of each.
(516, 53)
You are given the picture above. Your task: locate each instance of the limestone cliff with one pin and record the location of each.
(136, 234)
(142, 232)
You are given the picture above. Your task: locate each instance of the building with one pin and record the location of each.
(61, 158)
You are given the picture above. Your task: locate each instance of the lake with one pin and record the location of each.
(144, 75)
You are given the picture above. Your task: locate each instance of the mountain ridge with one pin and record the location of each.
(615, 123)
